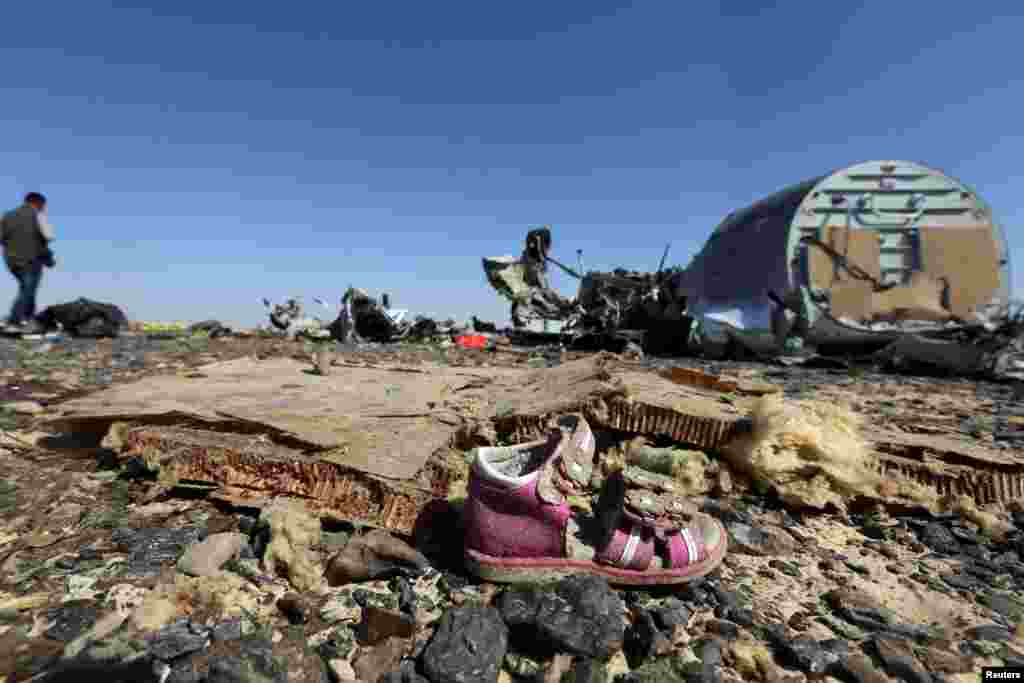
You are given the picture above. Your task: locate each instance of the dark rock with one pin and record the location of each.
(671, 614)
(964, 535)
(406, 595)
(379, 624)
(978, 569)
(338, 645)
(586, 670)
(631, 598)
(644, 639)
(711, 662)
(184, 671)
(580, 615)
(977, 552)
(246, 552)
(961, 582)
(66, 563)
(294, 608)
(468, 645)
(988, 632)
(725, 599)
(406, 673)
(799, 621)
(695, 592)
(742, 616)
(995, 563)
(939, 538)
(150, 550)
(89, 554)
(774, 633)
(246, 525)
(141, 670)
(898, 659)
(230, 629)
(726, 629)
(809, 655)
(177, 639)
(791, 520)
(1006, 605)
(259, 537)
(726, 513)
(862, 612)
(452, 583)
(256, 662)
(71, 620)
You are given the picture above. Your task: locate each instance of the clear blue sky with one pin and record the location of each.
(201, 155)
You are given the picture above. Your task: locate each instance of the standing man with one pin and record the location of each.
(25, 234)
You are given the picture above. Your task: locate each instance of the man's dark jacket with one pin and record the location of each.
(23, 241)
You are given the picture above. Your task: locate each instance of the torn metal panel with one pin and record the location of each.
(892, 243)
(609, 308)
(841, 255)
(614, 396)
(952, 467)
(250, 471)
(686, 407)
(511, 277)
(371, 419)
(966, 258)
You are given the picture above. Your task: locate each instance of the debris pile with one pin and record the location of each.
(850, 263)
(267, 566)
(84, 318)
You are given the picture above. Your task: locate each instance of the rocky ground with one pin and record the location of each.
(98, 577)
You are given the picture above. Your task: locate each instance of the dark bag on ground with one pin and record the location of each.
(85, 318)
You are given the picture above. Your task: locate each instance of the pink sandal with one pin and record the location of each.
(520, 528)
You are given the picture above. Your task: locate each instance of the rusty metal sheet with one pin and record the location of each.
(852, 299)
(250, 471)
(616, 395)
(859, 247)
(920, 299)
(952, 466)
(381, 422)
(968, 258)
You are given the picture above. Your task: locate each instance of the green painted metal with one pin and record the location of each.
(893, 198)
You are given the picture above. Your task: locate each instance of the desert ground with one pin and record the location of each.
(93, 580)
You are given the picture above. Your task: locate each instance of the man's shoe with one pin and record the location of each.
(32, 327)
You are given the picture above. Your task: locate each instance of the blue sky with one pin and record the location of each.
(201, 155)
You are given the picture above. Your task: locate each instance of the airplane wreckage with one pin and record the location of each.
(883, 257)
(886, 257)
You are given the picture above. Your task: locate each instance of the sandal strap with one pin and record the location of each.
(635, 545)
(568, 473)
(629, 548)
(684, 548)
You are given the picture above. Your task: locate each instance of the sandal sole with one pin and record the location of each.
(540, 570)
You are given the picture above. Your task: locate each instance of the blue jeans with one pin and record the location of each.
(28, 277)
